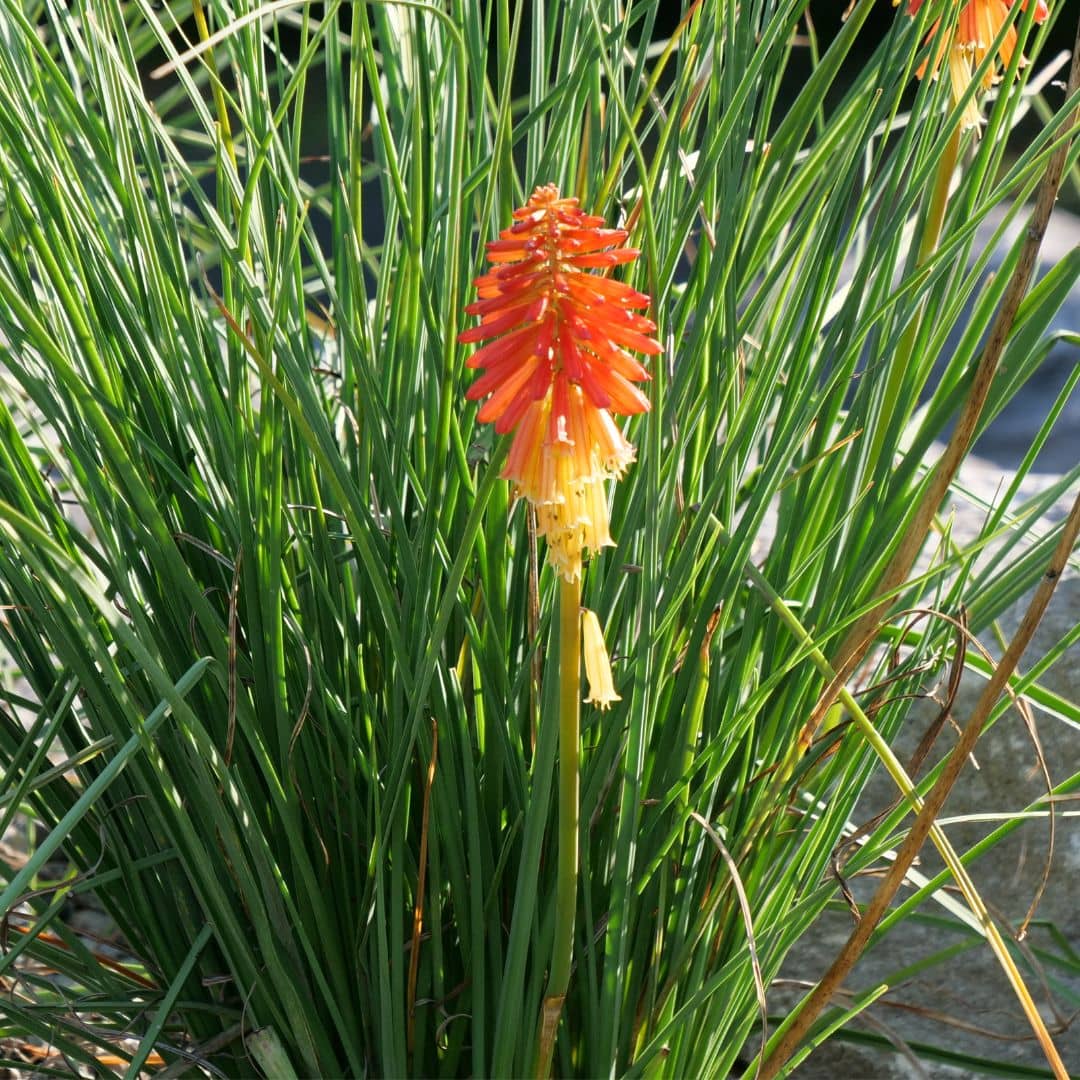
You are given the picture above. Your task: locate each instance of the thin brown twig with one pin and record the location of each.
(748, 922)
(1051, 820)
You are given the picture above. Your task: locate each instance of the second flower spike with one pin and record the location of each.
(558, 363)
(978, 25)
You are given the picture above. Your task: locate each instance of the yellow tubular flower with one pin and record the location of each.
(597, 666)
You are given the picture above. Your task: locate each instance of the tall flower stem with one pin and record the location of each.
(859, 636)
(935, 218)
(569, 812)
(557, 366)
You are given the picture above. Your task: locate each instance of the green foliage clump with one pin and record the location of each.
(260, 580)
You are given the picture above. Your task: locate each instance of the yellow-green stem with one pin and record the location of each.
(562, 951)
(935, 218)
(203, 28)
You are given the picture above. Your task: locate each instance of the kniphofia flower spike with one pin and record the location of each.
(977, 27)
(557, 366)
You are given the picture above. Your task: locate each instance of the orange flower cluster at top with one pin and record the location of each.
(556, 366)
(977, 26)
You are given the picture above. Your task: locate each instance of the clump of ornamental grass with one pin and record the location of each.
(287, 676)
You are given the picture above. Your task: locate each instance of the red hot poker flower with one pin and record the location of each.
(556, 365)
(978, 24)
